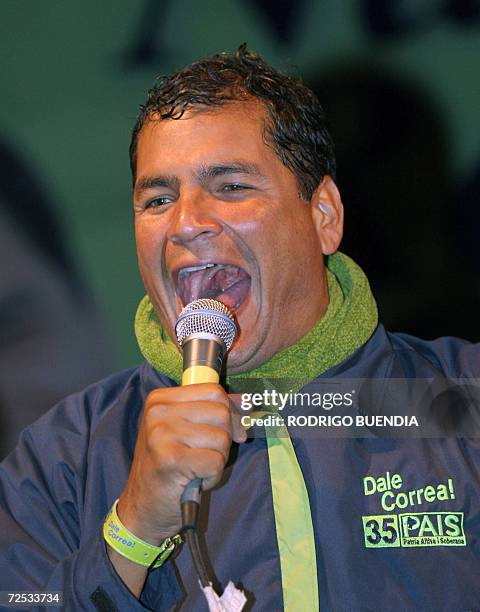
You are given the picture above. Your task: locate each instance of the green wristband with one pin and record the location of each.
(129, 546)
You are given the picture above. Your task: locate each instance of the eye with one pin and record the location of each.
(159, 201)
(232, 187)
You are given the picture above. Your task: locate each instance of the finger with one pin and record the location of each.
(203, 463)
(239, 433)
(208, 412)
(236, 402)
(201, 436)
(209, 483)
(203, 391)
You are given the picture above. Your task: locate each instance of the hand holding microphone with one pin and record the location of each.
(182, 445)
(185, 434)
(205, 331)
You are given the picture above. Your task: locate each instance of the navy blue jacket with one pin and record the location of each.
(68, 468)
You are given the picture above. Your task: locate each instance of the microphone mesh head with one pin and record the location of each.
(206, 316)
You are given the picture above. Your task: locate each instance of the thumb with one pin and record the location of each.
(239, 433)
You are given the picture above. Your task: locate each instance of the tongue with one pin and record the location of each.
(235, 294)
(227, 284)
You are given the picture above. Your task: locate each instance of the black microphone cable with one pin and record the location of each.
(190, 510)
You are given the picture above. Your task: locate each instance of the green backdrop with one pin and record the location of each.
(71, 88)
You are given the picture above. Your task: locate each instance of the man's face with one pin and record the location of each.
(218, 215)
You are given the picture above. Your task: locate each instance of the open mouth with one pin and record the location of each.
(226, 283)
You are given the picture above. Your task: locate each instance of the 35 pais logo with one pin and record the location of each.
(409, 523)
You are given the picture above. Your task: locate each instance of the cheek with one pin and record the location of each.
(149, 242)
(291, 251)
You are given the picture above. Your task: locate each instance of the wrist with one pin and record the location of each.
(131, 518)
(135, 549)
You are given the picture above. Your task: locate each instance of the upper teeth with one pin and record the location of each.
(196, 268)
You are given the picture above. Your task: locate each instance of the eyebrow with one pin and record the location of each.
(235, 167)
(152, 182)
(201, 175)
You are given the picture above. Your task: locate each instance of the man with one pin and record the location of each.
(234, 199)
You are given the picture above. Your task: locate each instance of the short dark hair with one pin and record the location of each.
(296, 126)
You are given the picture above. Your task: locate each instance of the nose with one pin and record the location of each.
(194, 219)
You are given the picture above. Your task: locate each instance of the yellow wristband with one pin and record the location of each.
(129, 546)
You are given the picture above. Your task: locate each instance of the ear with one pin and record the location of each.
(327, 213)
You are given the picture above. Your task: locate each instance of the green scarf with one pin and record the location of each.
(349, 321)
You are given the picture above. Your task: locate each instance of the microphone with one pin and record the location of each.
(205, 330)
